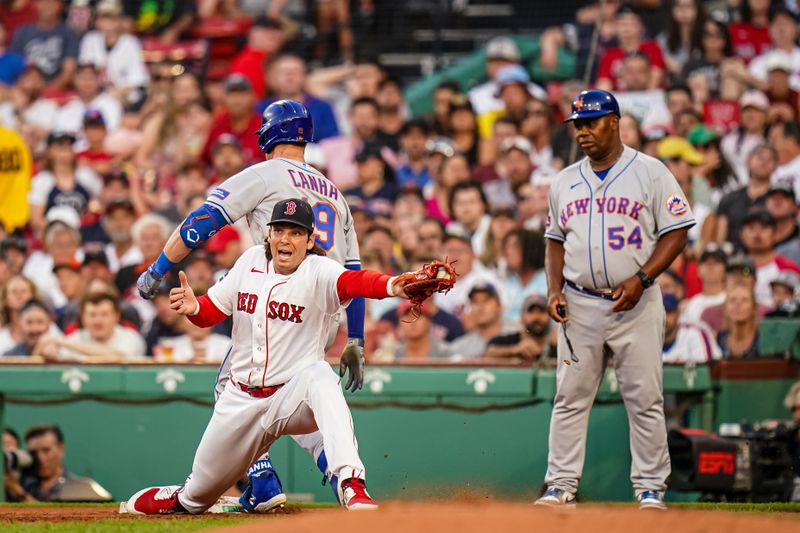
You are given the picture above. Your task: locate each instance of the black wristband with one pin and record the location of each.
(646, 280)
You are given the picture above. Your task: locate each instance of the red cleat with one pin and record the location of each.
(156, 500)
(353, 495)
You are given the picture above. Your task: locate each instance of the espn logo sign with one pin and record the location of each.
(710, 463)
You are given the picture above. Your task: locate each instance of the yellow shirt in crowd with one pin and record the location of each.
(15, 179)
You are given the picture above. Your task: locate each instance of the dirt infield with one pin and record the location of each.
(496, 517)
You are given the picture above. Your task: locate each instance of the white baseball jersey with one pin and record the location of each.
(253, 192)
(280, 323)
(610, 227)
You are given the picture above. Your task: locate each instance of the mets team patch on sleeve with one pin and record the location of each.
(548, 222)
(220, 193)
(676, 205)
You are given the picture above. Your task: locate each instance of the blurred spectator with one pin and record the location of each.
(706, 68)
(393, 111)
(150, 233)
(683, 341)
(49, 43)
(95, 155)
(687, 121)
(226, 247)
(740, 272)
(682, 39)
(174, 135)
(13, 295)
(739, 142)
(645, 103)
(379, 239)
(783, 33)
(513, 91)
(340, 151)
(739, 339)
(71, 284)
(502, 223)
(190, 182)
(417, 341)
(629, 132)
(35, 322)
(758, 238)
(226, 157)
(485, 311)
(715, 168)
(287, 79)
(166, 19)
(678, 98)
(471, 272)
(377, 188)
(534, 340)
(11, 63)
(199, 267)
(442, 94)
(238, 119)
(264, 39)
(62, 242)
(196, 345)
(431, 234)
(786, 140)
(630, 34)
(783, 98)
(13, 252)
(16, 13)
(750, 35)
(463, 128)
(734, 206)
(536, 127)
(115, 53)
(711, 269)
(454, 169)
(101, 337)
(516, 170)
(523, 271)
(781, 205)
(491, 167)
(165, 326)
(413, 169)
(15, 179)
(500, 53)
(89, 94)
(118, 223)
(784, 291)
(469, 208)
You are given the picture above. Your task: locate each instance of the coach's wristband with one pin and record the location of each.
(162, 265)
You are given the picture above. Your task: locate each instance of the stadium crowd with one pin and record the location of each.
(107, 142)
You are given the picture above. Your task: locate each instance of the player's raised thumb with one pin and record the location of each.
(184, 281)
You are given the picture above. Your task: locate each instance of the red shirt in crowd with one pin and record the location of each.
(611, 62)
(11, 20)
(247, 137)
(250, 63)
(749, 41)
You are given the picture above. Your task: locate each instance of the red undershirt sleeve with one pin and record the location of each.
(366, 283)
(209, 314)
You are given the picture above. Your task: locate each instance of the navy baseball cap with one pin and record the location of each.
(93, 117)
(484, 287)
(670, 302)
(293, 211)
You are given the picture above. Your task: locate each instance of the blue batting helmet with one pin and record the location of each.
(285, 121)
(593, 103)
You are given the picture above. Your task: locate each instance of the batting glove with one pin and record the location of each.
(353, 360)
(148, 283)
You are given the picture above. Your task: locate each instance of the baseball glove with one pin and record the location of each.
(436, 276)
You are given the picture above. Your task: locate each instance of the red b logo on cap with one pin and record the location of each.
(291, 207)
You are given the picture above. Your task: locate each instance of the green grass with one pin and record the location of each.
(115, 525)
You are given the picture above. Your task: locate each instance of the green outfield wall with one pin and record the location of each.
(421, 430)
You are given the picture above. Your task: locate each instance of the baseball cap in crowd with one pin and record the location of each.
(460, 101)
(655, 133)
(116, 175)
(93, 117)
(198, 255)
(73, 264)
(502, 48)
(674, 147)
(714, 252)
(65, 215)
(779, 60)
(221, 239)
(457, 233)
(534, 300)
(518, 142)
(57, 136)
(18, 243)
(509, 75)
(760, 215)
(440, 145)
(670, 302)
(702, 135)
(788, 279)
(742, 265)
(369, 150)
(108, 8)
(294, 211)
(95, 256)
(782, 187)
(237, 82)
(226, 139)
(486, 288)
(119, 203)
(754, 98)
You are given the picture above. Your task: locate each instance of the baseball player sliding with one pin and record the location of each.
(253, 193)
(617, 220)
(284, 297)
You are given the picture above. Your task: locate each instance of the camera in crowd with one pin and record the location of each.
(15, 461)
(744, 463)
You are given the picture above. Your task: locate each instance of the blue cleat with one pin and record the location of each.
(264, 493)
(651, 499)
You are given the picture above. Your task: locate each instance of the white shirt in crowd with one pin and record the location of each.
(758, 67)
(123, 63)
(124, 340)
(789, 173)
(694, 343)
(457, 299)
(70, 115)
(697, 304)
(132, 257)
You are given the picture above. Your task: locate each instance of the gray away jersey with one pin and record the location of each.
(610, 227)
(254, 191)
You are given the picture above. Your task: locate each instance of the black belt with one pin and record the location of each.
(605, 294)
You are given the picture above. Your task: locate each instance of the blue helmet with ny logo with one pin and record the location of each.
(593, 103)
(285, 121)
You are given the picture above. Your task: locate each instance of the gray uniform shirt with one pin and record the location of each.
(610, 226)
